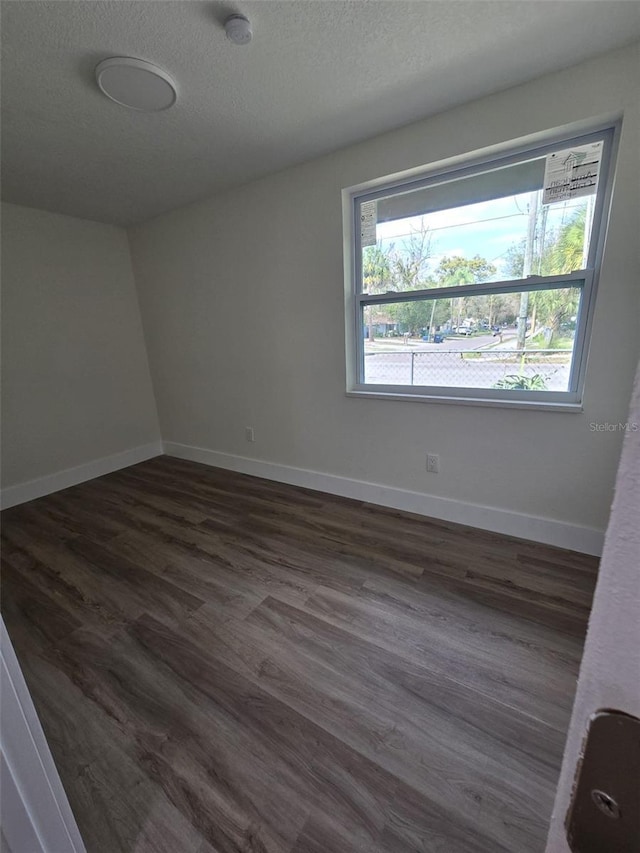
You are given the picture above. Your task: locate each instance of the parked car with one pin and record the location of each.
(464, 330)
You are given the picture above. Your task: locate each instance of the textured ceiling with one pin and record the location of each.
(317, 76)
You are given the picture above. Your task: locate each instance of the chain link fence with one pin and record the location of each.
(468, 368)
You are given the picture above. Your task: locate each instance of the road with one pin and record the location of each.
(421, 363)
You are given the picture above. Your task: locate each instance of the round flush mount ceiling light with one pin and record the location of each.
(136, 84)
(238, 29)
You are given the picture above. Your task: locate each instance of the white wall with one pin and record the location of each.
(610, 669)
(242, 301)
(76, 383)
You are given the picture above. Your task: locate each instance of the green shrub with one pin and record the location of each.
(523, 383)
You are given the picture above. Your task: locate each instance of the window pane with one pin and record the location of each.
(474, 342)
(488, 227)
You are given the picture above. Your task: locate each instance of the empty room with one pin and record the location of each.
(320, 446)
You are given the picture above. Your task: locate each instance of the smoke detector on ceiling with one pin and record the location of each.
(238, 29)
(136, 84)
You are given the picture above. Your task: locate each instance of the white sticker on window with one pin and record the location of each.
(368, 221)
(572, 173)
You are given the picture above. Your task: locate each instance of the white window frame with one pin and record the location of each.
(586, 279)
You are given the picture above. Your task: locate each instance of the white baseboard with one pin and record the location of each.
(32, 489)
(587, 540)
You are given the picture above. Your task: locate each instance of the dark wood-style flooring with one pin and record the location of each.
(225, 664)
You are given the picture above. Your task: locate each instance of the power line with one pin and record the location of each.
(457, 225)
(567, 207)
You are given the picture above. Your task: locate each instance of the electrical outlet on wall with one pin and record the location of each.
(249, 434)
(433, 463)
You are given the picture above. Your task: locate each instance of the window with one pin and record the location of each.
(478, 284)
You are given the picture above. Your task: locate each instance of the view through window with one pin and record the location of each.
(482, 281)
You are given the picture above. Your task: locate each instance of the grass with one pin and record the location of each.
(558, 342)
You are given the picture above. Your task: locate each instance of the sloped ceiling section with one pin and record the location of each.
(317, 76)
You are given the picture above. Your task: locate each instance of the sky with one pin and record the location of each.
(488, 229)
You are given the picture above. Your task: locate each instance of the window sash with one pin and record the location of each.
(480, 166)
(581, 280)
(531, 284)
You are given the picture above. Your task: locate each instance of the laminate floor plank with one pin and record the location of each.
(31, 610)
(62, 517)
(317, 769)
(188, 754)
(335, 544)
(101, 585)
(212, 494)
(116, 805)
(458, 534)
(403, 690)
(421, 727)
(224, 664)
(76, 585)
(438, 602)
(231, 594)
(131, 493)
(230, 553)
(493, 667)
(414, 826)
(320, 835)
(521, 575)
(558, 617)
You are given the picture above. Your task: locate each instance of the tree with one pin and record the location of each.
(562, 253)
(418, 317)
(565, 251)
(514, 260)
(376, 278)
(556, 307)
(456, 270)
(409, 264)
(376, 269)
(495, 308)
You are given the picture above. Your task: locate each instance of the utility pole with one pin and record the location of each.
(430, 329)
(527, 266)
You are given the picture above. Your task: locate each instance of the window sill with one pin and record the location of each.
(536, 405)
